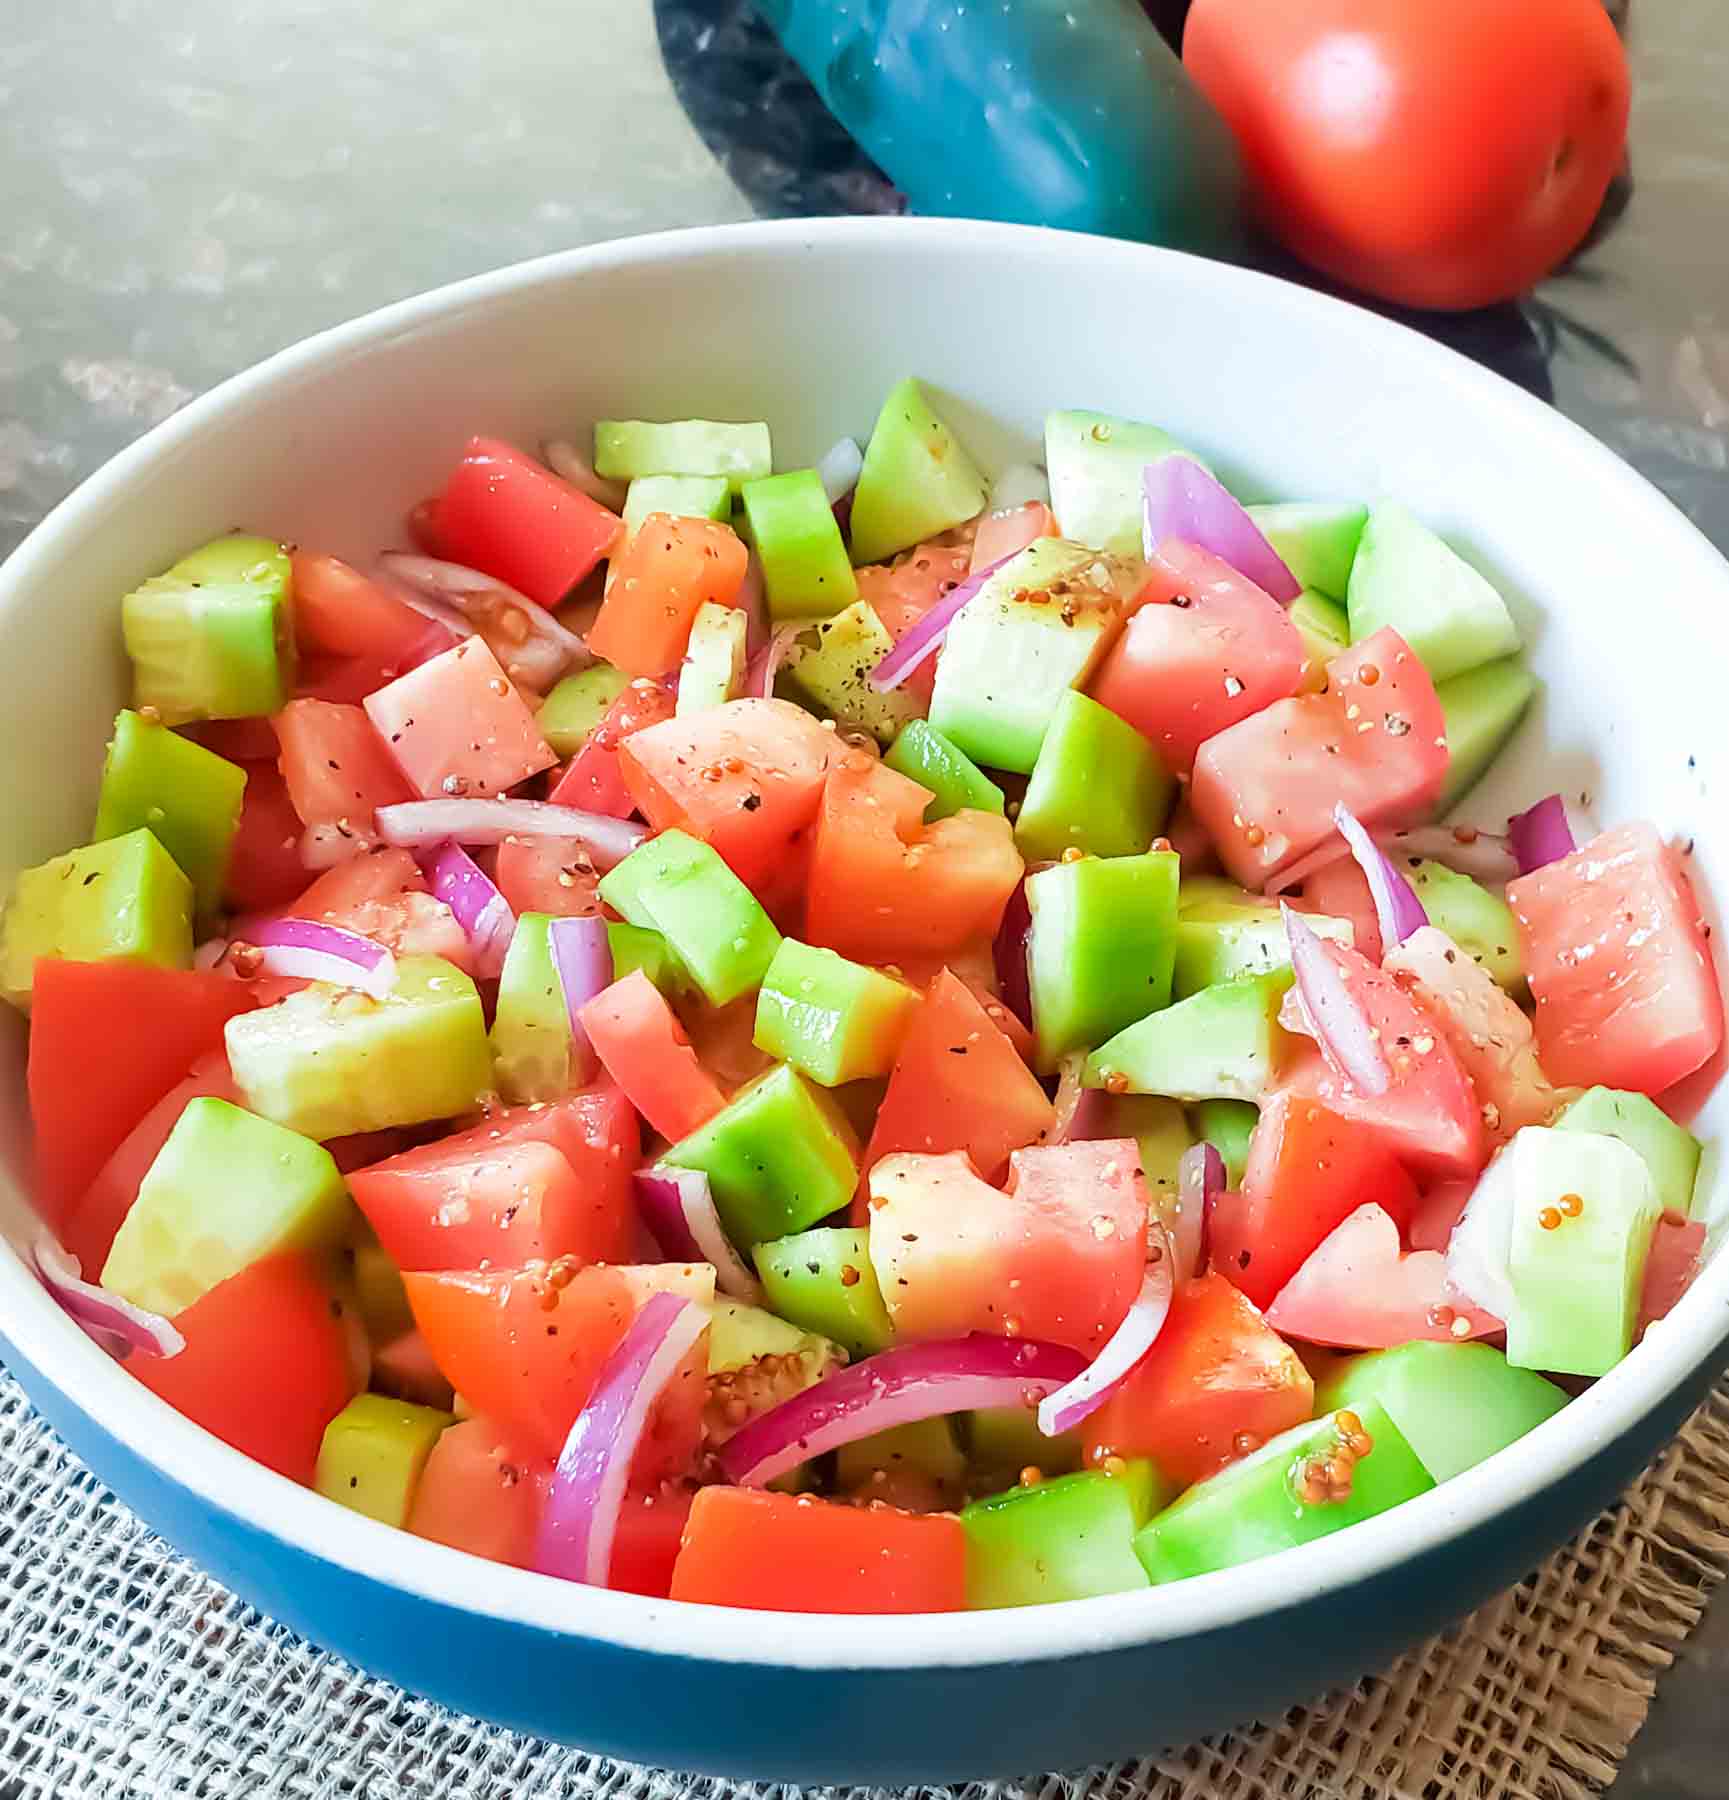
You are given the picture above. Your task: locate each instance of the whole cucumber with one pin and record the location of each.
(1071, 113)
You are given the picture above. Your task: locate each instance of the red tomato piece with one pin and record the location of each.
(1056, 1258)
(1341, 891)
(346, 680)
(1307, 1170)
(1677, 1248)
(404, 1370)
(1264, 789)
(1001, 535)
(883, 884)
(478, 1494)
(266, 1365)
(1204, 648)
(456, 726)
(1188, 837)
(1360, 1291)
(902, 592)
(646, 1545)
(1218, 1383)
(239, 740)
(958, 1084)
(1617, 957)
(338, 612)
(107, 1041)
(337, 770)
(772, 759)
(1428, 1117)
(1437, 1211)
(975, 966)
(265, 868)
(595, 1129)
(594, 781)
(472, 1202)
(642, 1046)
(724, 1039)
(669, 570)
(527, 1355)
(507, 515)
(548, 875)
(790, 1553)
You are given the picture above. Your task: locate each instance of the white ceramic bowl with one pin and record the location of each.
(1626, 610)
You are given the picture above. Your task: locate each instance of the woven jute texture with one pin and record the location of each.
(126, 1672)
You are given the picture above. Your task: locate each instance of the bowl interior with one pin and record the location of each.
(1622, 604)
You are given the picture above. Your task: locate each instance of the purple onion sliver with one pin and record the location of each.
(1482, 855)
(416, 824)
(660, 1200)
(1009, 953)
(1200, 1182)
(474, 901)
(1541, 835)
(923, 639)
(1116, 1360)
(1183, 501)
(582, 960)
(1343, 1031)
(311, 950)
(701, 1227)
(106, 1317)
(1398, 911)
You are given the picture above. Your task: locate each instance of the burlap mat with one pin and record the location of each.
(125, 1672)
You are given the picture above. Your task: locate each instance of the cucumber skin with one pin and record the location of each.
(1069, 113)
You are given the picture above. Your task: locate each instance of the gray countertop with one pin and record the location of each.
(185, 188)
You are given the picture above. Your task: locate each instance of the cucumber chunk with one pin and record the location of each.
(918, 1464)
(823, 1280)
(627, 449)
(714, 660)
(1227, 1125)
(805, 569)
(1479, 922)
(956, 782)
(374, 1453)
(833, 672)
(1004, 1440)
(533, 1055)
(916, 481)
(1096, 463)
(676, 497)
(833, 1019)
(1322, 624)
(636, 947)
(1219, 1044)
(1097, 786)
(1670, 1151)
(1316, 539)
(578, 704)
(1225, 932)
(1482, 709)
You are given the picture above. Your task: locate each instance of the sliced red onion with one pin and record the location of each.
(569, 464)
(1323, 856)
(1480, 854)
(840, 469)
(922, 640)
(678, 1207)
(1540, 835)
(1080, 1110)
(897, 1387)
(1200, 1182)
(752, 601)
(116, 1324)
(1009, 953)
(1398, 911)
(582, 960)
(418, 824)
(527, 639)
(766, 664)
(1123, 1349)
(325, 845)
(440, 611)
(476, 903)
(580, 1523)
(1184, 501)
(1342, 1029)
(310, 950)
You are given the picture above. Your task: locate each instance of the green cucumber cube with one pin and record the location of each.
(916, 481)
(1406, 577)
(533, 1056)
(779, 1157)
(1322, 624)
(635, 947)
(1257, 1506)
(226, 1190)
(956, 782)
(628, 449)
(676, 497)
(833, 673)
(823, 1281)
(1482, 709)
(1161, 1132)
(832, 1019)
(714, 659)
(805, 568)
(1098, 786)
(923, 1454)
(1004, 1440)
(327, 1062)
(380, 1297)
(1227, 1125)
(188, 797)
(374, 1453)
(1316, 539)
(1583, 1211)
(739, 1335)
(1100, 949)
(1479, 922)
(1670, 1151)
(1066, 1539)
(125, 899)
(1036, 629)
(1456, 1404)
(1219, 1044)
(212, 638)
(578, 704)
(1219, 943)
(712, 922)
(1096, 463)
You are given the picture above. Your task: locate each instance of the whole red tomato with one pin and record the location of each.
(1439, 153)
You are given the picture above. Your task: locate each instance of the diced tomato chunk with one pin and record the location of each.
(1004, 534)
(595, 782)
(902, 592)
(974, 964)
(107, 1041)
(1341, 891)
(547, 875)
(1057, 1257)
(769, 760)
(669, 570)
(1677, 1249)
(645, 1547)
(1307, 1170)
(1204, 648)
(1618, 960)
(958, 1084)
(239, 740)
(1264, 789)
(338, 772)
(1218, 1383)
(595, 1129)
(507, 515)
(884, 884)
(382, 895)
(266, 1365)
(456, 726)
(643, 1047)
(479, 1495)
(790, 1553)
(265, 868)
(404, 1370)
(338, 612)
